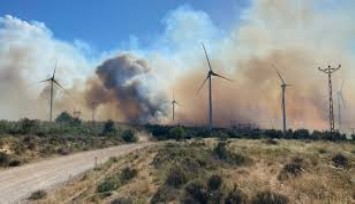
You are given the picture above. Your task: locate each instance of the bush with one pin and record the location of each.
(196, 190)
(28, 126)
(301, 134)
(128, 174)
(268, 197)
(64, 117)
(177, 133)
(176, 177)
(165, 194)
(4, 159)
(129, 136)
(109, 128)
(271, 141)
(214, 182)
(292, 169)
(222, 153)
(236, 197)
(14, 163)
(107, 185)
(339, 160)
(122, 201)
(37, 195)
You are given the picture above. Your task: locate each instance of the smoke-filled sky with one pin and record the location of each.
(124, 59)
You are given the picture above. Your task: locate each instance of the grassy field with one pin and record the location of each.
(213, 171)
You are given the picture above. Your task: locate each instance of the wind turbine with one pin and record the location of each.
(173, 103)
(53, 81)
(340, 101)
(210, 73)
(283, 102)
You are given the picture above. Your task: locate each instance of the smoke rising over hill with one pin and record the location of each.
(122, 80)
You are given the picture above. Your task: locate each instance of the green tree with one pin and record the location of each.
(28, 125)
(109, 128)
(129, 136)
(64, 117)
(177, 133)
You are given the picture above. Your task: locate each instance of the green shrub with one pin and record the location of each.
(128, 174)
(236, 197)
(268, 197)
(129, 136)
(107, 185)
(64, 117)
(196, 191)
(37, 195)
(177, 133)
(322, 151)
(214, 182)
(4, 159)
(292, 169)
(165, 194)
(109, 128)
(271, 141)
(28, 126)
(221, 152)
(14, 162)
(176, 177)
(122, 201)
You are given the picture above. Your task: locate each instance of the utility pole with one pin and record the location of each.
(329, 70)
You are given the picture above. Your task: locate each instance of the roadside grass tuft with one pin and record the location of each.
(38, 195)
(268, 197)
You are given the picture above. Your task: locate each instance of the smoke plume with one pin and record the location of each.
(121, 81)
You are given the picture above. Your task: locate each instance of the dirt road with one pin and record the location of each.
(16, 184)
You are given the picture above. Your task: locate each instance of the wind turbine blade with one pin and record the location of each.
(341, 88)
(178, 104)
(55, 68)
(223, 77)
(342, 100)
(45, 80)
(207, 58)
(55, 81)
(203, 83)
(278, 73)
(173, 94)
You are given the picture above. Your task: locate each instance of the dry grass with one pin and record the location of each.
(319, 181)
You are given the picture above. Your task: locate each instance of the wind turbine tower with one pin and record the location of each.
(340, 102)
(53, 81)
(173, 104)
(210, 74)
(283, 102)
(329, 71)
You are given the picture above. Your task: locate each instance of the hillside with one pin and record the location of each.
(212, 171)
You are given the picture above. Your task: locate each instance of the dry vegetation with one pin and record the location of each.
(29, 140)
(211, 171)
